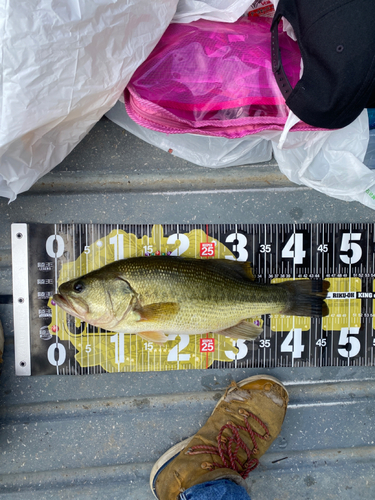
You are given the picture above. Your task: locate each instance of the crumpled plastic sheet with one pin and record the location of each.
(205, 151)
(330, 161)
(212, 10)
(64, 64)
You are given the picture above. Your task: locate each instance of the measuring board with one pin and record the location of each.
(50, 341)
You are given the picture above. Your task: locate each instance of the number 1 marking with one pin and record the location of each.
(118, 242)
(118, 340)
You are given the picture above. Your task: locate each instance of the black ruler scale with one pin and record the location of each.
(48, 341)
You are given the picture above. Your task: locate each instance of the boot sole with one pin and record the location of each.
(175, 450)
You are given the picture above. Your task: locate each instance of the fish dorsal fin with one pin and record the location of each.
(156, 337)
(243, 330)
(248, 270)
(157, 311)
(234, 268)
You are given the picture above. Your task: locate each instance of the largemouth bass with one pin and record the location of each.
(157, 296)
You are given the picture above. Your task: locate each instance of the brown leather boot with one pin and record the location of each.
(241, 428)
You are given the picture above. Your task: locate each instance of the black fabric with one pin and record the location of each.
(337, 43)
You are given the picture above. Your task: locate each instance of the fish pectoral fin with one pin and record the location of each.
(243, 330)
(157, 311)
(156, 337)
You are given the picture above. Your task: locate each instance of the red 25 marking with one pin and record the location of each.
(207, 249)
(207, 345)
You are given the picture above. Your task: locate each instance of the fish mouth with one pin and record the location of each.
(78, 310)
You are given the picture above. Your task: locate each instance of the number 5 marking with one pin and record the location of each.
(346, 245)
(346, 338)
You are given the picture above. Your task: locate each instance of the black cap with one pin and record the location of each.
(337, 43)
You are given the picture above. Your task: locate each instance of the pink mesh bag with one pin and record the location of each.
(213, 78)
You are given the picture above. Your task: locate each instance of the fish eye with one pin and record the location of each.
(78, 286)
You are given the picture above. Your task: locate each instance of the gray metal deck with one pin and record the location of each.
(97, 436)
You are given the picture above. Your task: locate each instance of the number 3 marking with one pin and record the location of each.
(240, 247)
(242, 350)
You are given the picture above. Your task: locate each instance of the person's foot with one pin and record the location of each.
(241, 428)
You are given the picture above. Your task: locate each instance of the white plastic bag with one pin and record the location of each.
(330, 161)
(212, 10)
(63, 65)
(206, 151)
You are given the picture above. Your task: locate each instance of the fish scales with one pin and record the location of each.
(208, 297)
(155, 296)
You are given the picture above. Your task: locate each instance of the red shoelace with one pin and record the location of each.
(228, 447)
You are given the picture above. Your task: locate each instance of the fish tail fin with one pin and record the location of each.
(306, 297)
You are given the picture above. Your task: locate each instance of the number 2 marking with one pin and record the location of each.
(174, 353)
(184, 243)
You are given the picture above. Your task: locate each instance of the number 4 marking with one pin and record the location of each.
(293, 343)
(298, 254)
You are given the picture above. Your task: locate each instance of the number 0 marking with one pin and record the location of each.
(60, 246)
(56, 354)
